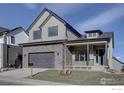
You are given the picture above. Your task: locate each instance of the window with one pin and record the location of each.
(92, 34)
(53, 31)
(37, 34)
(12, 40)
(80, 55)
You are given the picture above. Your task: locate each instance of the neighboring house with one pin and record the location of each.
(53, 43)
(9, 40)
(117, 64)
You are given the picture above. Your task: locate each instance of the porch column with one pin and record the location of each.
(87, 54)
(64, 55)
(106, 55)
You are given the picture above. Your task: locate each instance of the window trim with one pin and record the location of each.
(80, 53)
(12, 38)
(90, 35)
(49, 31)
(35, 32)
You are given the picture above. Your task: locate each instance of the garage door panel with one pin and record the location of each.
(42, 60)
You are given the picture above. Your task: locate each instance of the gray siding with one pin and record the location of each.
(8, 54)
(71, 36)
(12, 50)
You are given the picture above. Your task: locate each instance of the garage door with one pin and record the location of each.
(42, 60)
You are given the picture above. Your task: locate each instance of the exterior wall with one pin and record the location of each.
(1, 55)
(61, 30)
(8, 54)
(56, 48)
(37, 25)
(1, 39)
(52, 22)
(110, 50)
(70, 35)
(116, 65)
(12, 50)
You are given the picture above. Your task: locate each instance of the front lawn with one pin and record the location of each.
(81, 77)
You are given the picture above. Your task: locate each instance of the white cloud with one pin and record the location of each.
(64, 9)
(31, 6)
(102, 19)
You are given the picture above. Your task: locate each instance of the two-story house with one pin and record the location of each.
(53, 43)
(9, 40)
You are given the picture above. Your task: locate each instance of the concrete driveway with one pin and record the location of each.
(21, 73)
(17, 77)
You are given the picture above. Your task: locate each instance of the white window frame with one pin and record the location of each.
(12, 38)
(79, 55)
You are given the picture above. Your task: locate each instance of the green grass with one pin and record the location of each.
(81, 77)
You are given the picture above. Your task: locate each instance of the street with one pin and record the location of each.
(9, 83)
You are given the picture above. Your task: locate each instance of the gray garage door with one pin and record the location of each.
(42, 60)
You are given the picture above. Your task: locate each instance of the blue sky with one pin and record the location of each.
(107, 17)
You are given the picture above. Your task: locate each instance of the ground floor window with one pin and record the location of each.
(80, 55)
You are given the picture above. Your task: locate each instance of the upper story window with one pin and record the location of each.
(37, 34)
(12, 40)
(92, 35)
(53, 31)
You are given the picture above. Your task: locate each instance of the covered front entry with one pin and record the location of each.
(42, 59)
(88, 55)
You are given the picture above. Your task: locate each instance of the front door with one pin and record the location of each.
(100, 56)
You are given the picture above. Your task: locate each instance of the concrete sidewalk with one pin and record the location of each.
(21, 73)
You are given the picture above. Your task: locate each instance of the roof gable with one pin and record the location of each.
(115, 58)
(17, 30)
(57, 17)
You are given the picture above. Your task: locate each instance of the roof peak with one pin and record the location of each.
(56, 16)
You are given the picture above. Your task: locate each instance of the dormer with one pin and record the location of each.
(93, 33)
